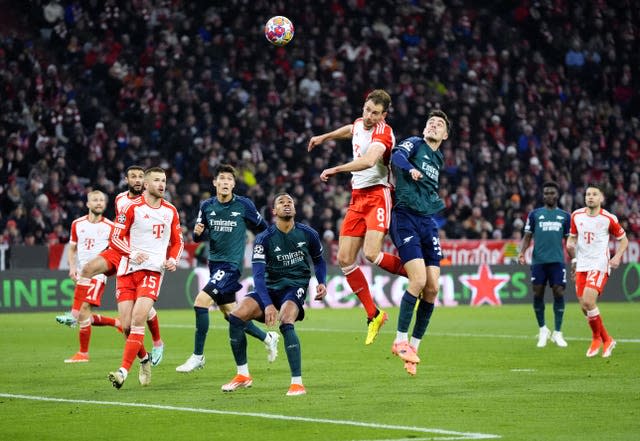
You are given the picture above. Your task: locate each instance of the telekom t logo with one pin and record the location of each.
(588, 236)
(89, 243)
(158, 229)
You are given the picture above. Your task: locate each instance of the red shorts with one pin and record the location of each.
(369, 209)
(143, 283)
(112, 258)
(590, 279)
(91, 293)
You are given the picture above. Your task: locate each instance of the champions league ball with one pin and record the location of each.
(279, 30)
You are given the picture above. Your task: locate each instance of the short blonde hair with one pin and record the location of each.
(150, 170)
(96, 192)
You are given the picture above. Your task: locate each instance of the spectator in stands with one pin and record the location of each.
(550, 84)
(12, 234)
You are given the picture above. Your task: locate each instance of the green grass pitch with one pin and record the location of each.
(481, 377)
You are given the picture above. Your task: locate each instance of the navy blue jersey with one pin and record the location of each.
(419, 196)
(281, 260)
(548, 227)
(226, 227)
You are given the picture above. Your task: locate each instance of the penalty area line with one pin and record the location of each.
(441, 435)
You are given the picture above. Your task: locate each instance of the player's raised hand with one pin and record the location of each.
(313, 142)
(327, 173)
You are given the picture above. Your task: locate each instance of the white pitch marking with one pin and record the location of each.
(448, 434)
(523, 370)
(438, 334)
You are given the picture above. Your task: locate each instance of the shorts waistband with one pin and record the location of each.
(370, 189)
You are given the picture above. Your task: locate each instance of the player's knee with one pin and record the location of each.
(225, 310)
(416, 287)
(587, 305)
(345, 260)
(235, 321)
(285, 326)
(371, 249)
(430, 293)
(371, 255)
(85, 311)
(346, 256)
(203, 300)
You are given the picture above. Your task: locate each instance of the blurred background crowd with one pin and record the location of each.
(536, 91)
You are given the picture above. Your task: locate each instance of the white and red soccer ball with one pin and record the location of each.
(279, 30)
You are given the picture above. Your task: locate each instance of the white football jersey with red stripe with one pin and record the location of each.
(592, 232)
(90, 238)
(153, 231)
(379, 173)
(123, 200)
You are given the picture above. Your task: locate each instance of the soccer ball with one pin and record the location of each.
(279, 30)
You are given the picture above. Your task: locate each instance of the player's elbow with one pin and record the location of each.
(370, 162)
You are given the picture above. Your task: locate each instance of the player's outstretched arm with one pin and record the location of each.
(374, 154)
(343, 132)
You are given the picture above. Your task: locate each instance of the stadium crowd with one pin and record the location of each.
(544, 90)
